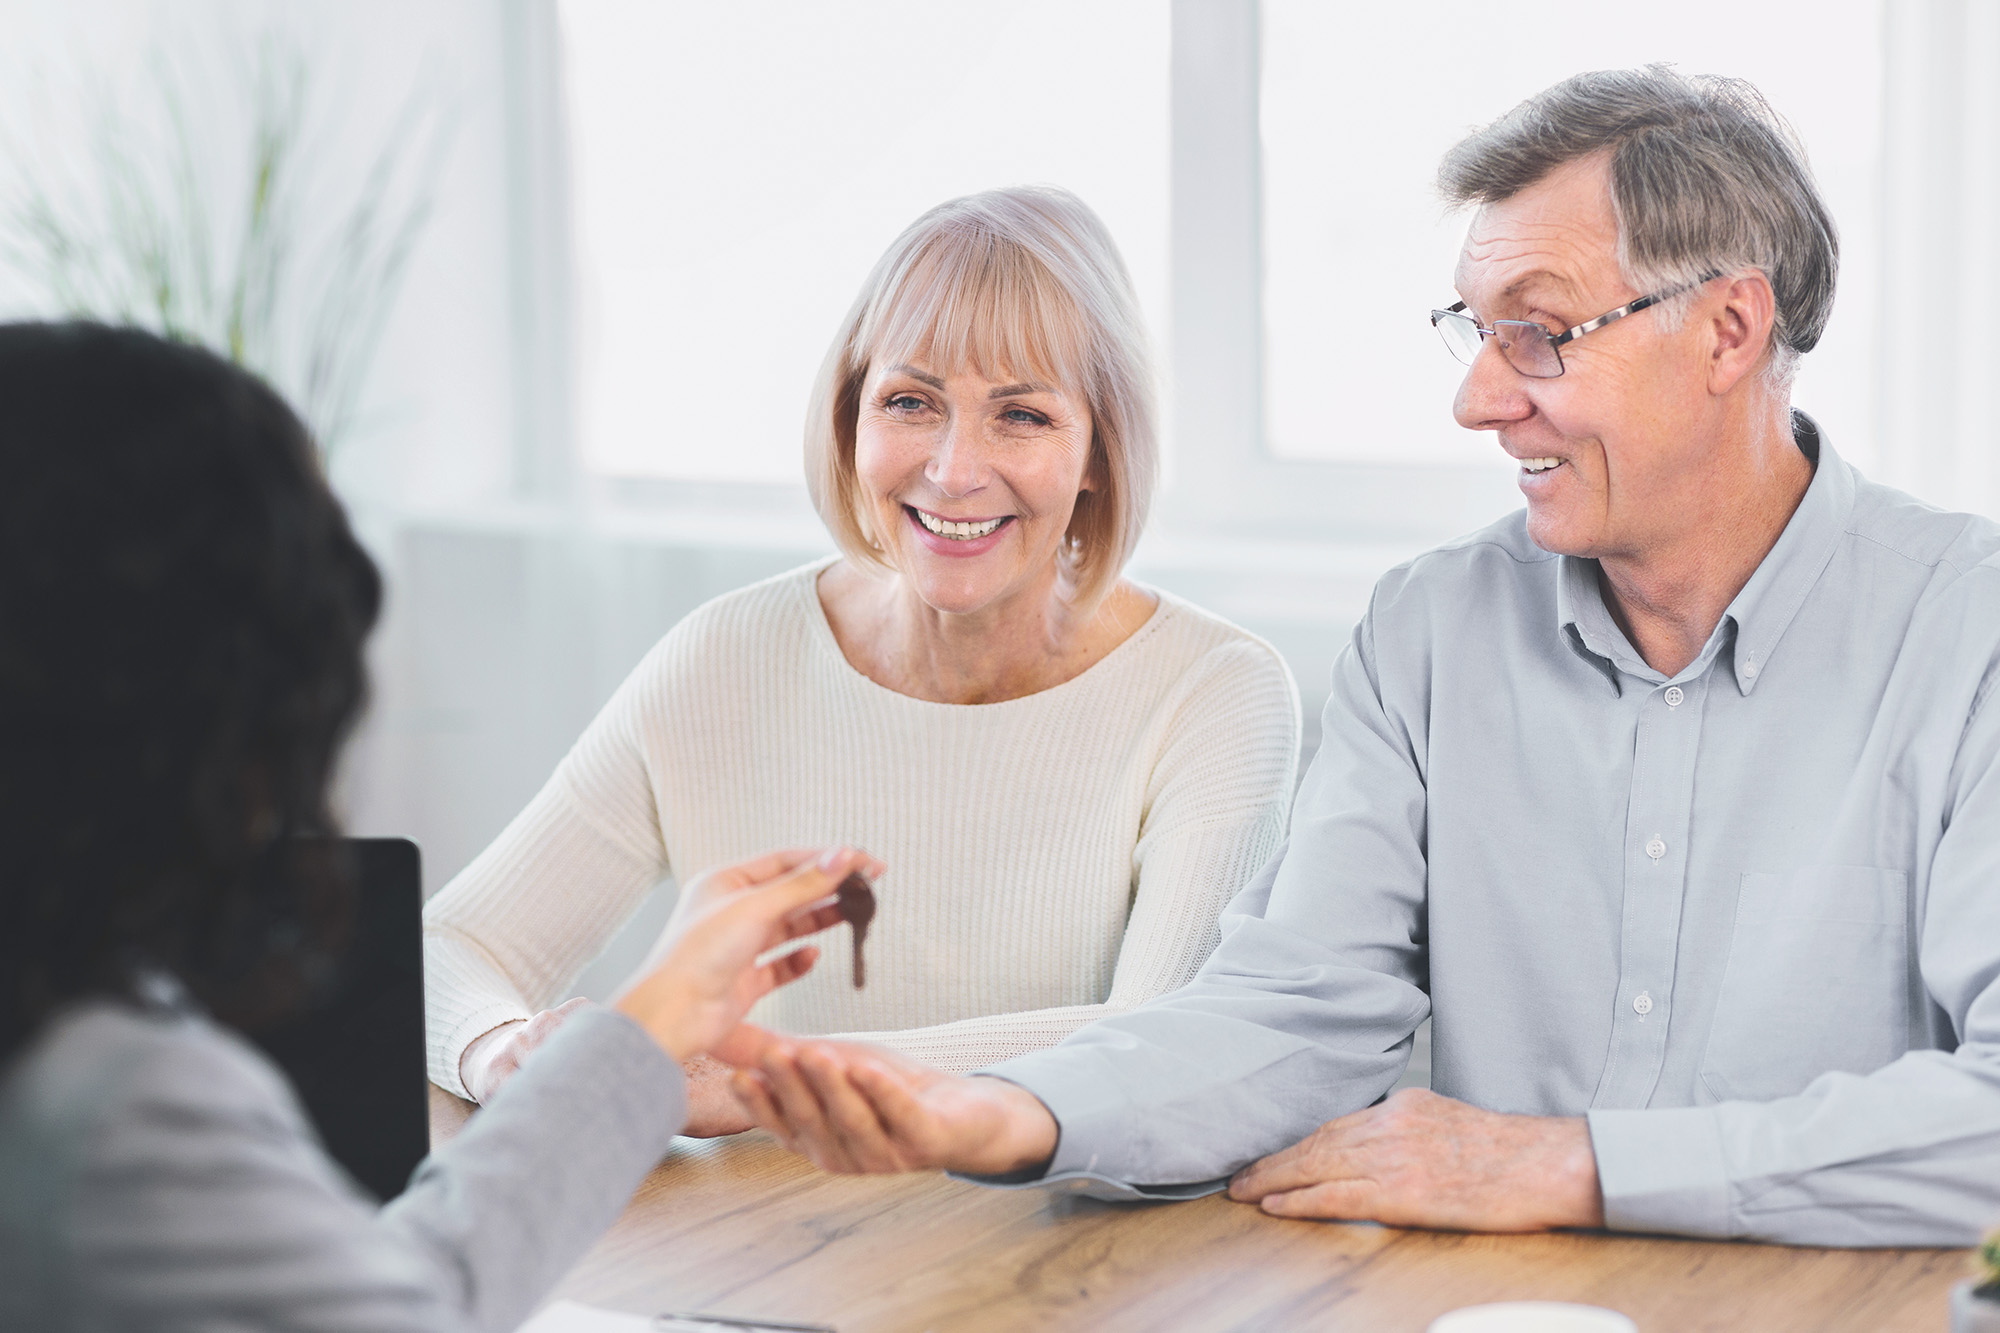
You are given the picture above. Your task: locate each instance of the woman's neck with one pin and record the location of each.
(1022, 644)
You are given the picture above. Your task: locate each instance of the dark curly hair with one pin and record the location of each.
(182, 613)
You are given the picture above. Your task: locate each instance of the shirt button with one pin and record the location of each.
(1750, 669)
(1674, 696)
(1656, 849)
(1642, 1004)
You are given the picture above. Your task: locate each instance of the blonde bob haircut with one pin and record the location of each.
(1022, 282)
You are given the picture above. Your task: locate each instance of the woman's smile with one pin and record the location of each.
(957, 537)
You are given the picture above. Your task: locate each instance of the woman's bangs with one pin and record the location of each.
(975, 302)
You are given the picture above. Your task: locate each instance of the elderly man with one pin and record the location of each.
(1673, 800)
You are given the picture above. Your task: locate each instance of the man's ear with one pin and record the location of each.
(1741, 323)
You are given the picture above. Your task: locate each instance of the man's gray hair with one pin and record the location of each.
(1705, 178)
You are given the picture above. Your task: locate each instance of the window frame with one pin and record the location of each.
(1224, 481)
(1229, 482)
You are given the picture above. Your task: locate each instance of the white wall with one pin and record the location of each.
(1940, 285)
(441, 396)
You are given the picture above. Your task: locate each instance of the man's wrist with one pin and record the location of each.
(1582, 1201)
(1662, 1170)
(1027, 1142)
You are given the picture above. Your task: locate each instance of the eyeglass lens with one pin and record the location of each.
(1460, 333)
(1526, 345)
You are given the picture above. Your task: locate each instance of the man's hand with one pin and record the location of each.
(859, 1109)
(1421, 1160)
(713, 1110)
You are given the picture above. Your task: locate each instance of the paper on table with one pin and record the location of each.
(1533, 1317)
(570, 1317)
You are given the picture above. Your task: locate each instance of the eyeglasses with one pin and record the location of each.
(1528, 347)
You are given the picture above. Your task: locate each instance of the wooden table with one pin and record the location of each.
(740, 1226)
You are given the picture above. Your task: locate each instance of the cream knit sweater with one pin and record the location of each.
(1050, 859)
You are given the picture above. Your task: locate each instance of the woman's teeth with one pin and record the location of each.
(1538, 464)
(962, 532)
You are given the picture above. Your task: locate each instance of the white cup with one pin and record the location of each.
(1533, 1317)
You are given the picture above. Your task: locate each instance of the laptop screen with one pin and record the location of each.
(356, 1058)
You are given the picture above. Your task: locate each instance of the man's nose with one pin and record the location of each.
(1493, 393)
(958, 465)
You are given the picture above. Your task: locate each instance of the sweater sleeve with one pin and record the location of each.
(512, 931)
(1215, 812)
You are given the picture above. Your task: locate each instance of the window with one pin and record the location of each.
(1358, 103)
(739, 167)
(1266, 168)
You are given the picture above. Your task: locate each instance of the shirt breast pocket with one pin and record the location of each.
(1817, 980)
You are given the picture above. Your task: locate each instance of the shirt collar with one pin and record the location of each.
(1586, 624)
(1760, 613)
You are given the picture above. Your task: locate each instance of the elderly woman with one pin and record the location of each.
(1067, 774)
(184, 610)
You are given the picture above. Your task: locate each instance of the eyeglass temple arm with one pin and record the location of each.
(1592, 326)
(1630, 308)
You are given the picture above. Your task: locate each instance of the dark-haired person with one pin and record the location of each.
(182, 610)
(1674, 800)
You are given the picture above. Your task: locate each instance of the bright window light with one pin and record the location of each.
(739, 167)
(1360, 101)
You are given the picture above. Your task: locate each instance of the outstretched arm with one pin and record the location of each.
(192, 1126)
(857, 1109)
(1306, 1007)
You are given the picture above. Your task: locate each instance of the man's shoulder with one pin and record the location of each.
(1952, 545)
(1498, 556)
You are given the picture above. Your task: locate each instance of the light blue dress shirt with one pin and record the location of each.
(1746, 919)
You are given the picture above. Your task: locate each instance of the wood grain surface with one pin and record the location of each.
(740, 1226)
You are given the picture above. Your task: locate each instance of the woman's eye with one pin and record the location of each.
(1023, 417)
(904, 402)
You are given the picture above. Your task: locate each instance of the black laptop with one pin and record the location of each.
(357, 1056)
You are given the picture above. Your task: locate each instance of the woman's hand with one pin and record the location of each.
(496, 1056)
(860, 1109)
(693, 1002)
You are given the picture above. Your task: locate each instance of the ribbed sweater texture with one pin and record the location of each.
(1051, 858)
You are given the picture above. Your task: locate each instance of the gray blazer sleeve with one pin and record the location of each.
(160, 1175)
